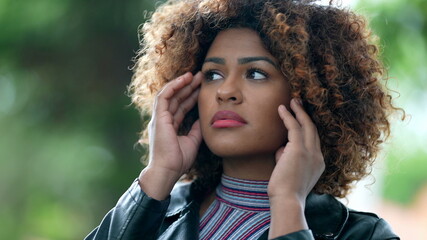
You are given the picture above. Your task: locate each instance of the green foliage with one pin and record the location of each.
(67, 130)
(407, 176)
(401, 26)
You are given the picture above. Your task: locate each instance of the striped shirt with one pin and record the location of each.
(241, 210)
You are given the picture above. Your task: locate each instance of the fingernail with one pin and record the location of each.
(299, 101)
(282, 108)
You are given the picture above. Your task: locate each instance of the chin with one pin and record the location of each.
(242, 143)
(236, 150)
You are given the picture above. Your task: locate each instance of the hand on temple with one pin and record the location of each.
(299, 165)
(170, 155)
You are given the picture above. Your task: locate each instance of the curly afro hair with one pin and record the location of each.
(328, 55)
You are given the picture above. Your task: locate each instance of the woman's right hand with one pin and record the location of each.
(170, 155)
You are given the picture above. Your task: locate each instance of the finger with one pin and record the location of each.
(184, 93)
(311, 135)
(169, 90)
(294, 128)
(184, 108)
(279, 153)
(195, 133)
(301, 115)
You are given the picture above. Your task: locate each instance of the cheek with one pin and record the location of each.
(274, 130)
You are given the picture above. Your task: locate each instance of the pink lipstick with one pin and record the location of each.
(227, 119)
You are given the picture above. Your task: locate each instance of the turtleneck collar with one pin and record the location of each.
(250, 195)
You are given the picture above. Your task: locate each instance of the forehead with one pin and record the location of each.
(238, 42)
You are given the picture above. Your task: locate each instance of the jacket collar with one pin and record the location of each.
(325, 215)
(181, 196)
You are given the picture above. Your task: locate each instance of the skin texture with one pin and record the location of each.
(254, 90)
(171, 155)
(273, 144)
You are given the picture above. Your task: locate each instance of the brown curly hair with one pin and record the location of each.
(327, 54)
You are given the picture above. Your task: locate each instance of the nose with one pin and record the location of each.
(229, 91)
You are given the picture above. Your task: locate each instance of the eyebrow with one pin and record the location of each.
(254, 59)
(243, 60)
(215, 60)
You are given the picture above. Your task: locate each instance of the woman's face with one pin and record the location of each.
(239, 96)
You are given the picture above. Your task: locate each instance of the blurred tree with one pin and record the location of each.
(402, 27)
(67, 143)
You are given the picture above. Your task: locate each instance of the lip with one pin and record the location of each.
(227, 119)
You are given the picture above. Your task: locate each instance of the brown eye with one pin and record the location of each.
(212, 75)
(256, 74)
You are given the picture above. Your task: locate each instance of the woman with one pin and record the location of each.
(285, 110)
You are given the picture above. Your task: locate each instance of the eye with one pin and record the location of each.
(211, 75)
(256, 74)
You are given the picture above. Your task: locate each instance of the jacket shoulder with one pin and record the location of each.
(180, 197)
(328, 218)
(366, 225)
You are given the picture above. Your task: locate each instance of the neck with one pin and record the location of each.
(250, 168)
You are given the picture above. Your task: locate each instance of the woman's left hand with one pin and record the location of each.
(299, 165)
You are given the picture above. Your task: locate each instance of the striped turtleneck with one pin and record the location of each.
(241, 210)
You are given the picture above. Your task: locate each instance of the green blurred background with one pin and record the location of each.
(68, 134)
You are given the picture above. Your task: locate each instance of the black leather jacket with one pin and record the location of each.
(137, 216)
